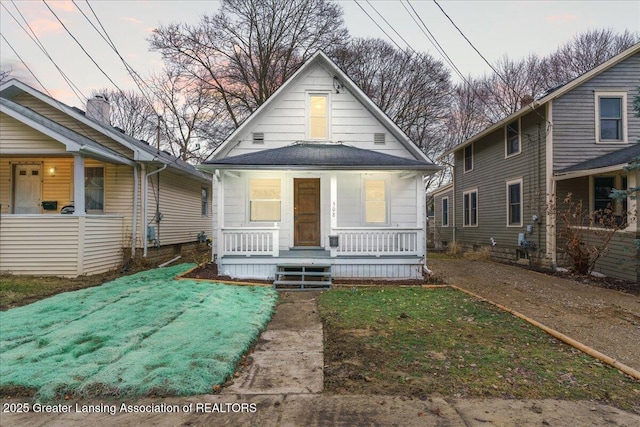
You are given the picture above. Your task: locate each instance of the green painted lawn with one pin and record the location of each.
(142, 334)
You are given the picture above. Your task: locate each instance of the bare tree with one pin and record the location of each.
(250, 47)
(194, 120)
(131, 112)
(5, 74)
(585, 52)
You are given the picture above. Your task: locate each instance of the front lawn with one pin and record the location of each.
(137, 335)
(419, 342)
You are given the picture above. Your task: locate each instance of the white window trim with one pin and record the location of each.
(442, 211)
(464, 159)
(386, 200)
(309, 94)
(248, 199)
(506, 140)
(473, 190)
(606, 94)
(509, 183)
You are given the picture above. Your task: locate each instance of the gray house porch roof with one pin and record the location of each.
(617, 159)
(318, 156)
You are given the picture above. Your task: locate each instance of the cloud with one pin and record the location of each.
(45, 26)
(133, 20)
(66, 5)
(561, 19)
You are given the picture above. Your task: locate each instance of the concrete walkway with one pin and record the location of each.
(282, 386)
(288, 357)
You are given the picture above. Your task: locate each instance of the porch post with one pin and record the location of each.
(421, 215)
(334, 210)
(78, 185)
(220, 182)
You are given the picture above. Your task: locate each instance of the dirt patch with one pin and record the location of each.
(607, 320)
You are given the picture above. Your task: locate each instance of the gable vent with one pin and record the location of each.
(258, 138)
(379, 138)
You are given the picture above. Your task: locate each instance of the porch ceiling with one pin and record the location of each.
(319, 156)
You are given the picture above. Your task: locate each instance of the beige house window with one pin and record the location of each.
(264, 199)
(375, 201)
(318, 116)
(94, 189)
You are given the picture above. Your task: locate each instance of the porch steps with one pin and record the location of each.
(300, 277)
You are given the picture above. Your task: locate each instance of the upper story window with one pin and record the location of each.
(611, 113)
(264, 199)
(445, 211)
(512, 137)
(318, 116)
(468, 158)
(94, 189)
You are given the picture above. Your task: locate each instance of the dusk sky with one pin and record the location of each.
(496, 28)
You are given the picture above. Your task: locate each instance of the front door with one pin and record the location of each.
(26, 189)
(306, 211)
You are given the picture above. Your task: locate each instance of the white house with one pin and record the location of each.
(320, 182)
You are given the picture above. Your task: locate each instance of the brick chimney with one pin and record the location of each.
(98, 109)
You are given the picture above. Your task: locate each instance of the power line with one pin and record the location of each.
(391, 26)
(378, 25)
(34, 37)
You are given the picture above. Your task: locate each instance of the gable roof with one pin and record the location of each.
(616, 160)
(318, 156)
(319, 58)
(142, 151)
(550, 96)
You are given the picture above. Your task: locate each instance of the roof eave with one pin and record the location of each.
(213, 167)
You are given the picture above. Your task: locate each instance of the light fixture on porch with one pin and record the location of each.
(52, 171)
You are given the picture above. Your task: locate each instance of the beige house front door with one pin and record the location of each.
(27, 189)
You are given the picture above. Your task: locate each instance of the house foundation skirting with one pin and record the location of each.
(264, 268)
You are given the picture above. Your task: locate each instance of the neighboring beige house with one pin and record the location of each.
(319, 183)
(125, 193)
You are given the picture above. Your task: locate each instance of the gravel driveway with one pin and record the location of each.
(606, 320)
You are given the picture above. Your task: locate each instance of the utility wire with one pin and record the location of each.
(34, 37)
(489, 64)
(390, 26)
(378, 25)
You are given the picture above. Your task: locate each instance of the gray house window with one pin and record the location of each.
(468, 158)
(445, 212)
(470, 208)
(514, 203)
(512, 132)
(611, 112)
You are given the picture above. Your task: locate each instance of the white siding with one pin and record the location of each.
(285, 122)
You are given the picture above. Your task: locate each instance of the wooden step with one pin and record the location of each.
(302, 277)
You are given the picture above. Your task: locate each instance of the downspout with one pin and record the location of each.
(425, 223)
(134, 221)
(146, 206)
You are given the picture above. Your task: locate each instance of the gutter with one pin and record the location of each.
(134, 221)
(145, 208)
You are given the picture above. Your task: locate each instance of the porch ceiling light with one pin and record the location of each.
(52, 170)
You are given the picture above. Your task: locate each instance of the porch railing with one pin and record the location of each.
(250, 241)
(379, 241)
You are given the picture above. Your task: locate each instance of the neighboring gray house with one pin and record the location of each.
(319, 181)
(576, 139)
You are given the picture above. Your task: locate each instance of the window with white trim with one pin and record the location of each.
(514, 203)
(318, 116)
(94, 189)
(204, 196)
(608, 211)
(375, 201)
(265, 198)
(470, 208)
(445, 211)
(468, 158)
(611, 113)
(512, 138)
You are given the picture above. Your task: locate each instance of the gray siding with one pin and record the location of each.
(491, 171)
(574, 137)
